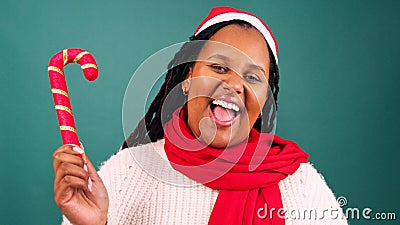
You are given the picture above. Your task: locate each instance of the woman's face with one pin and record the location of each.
(228, 86)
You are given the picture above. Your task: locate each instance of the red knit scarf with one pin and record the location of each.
(247, 180)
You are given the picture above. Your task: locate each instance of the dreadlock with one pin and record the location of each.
(150, 127)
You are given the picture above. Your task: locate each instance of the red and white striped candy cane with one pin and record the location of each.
(60, 92)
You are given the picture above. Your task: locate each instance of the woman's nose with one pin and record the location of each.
(233, 82)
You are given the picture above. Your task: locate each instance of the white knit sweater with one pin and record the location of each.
(141, 187)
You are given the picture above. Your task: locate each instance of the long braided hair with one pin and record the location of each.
(150, 127)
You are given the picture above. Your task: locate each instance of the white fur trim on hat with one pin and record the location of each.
(245, 17)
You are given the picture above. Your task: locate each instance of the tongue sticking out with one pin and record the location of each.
(223, 114)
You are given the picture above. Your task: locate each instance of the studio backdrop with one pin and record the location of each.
(338, 99)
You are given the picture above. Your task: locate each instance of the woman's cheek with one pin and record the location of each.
(255, 99)
(202, 86)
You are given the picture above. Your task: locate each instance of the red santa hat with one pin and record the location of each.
(225, 13)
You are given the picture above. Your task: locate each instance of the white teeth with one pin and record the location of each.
(226, 105)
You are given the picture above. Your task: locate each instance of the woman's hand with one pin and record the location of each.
(79, 202)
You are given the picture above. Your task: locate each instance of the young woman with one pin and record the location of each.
(205, 152)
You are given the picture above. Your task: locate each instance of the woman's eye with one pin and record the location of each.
(219, 68)
(251, 78)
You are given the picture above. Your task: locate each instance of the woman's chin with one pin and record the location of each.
(226, 141)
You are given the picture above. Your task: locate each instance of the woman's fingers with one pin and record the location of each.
(91, 170)
(79, 200)
(98, 193)
(94, 181)
(64, 190)
(66, 154)
(69, 169)
(67, 158)
(73, 182)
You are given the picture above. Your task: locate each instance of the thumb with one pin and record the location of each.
(91, 170)
(98, 192)
(89, 166)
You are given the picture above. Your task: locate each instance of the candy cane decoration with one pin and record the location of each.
(60, 92)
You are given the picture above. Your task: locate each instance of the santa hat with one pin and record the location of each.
(225, 13)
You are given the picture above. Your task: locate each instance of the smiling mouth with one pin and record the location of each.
(223, 113)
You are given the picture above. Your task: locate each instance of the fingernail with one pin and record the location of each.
(82, 146)
(84, 159)
(85, 167)
(90, 184)
(78, 150)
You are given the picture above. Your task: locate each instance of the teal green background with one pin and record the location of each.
(339, 63)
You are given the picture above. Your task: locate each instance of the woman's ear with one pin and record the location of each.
(187, 81)
(189, 74)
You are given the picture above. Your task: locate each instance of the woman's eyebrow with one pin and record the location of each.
(219, 56)
(257, 67)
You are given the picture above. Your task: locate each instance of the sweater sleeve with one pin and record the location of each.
(129, 188)
(313, 201)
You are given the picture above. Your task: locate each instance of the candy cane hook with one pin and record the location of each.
(60, 92)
